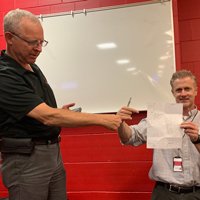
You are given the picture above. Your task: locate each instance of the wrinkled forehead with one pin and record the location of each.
(31, 28)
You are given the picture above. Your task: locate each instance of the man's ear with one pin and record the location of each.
(172, 92)
(196, 91)
(9, 37)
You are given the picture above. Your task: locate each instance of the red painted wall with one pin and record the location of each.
(98, 166)
(189, 26)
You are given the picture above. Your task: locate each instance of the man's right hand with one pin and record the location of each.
(124, 131)
(112, 122)
(127, 112)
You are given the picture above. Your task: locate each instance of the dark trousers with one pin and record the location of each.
(162, 193)
(39, 176)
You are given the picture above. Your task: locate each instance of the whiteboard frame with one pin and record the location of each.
(72, 13)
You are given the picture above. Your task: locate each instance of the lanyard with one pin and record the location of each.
(184, 133)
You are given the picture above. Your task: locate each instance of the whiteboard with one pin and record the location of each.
(100, 59)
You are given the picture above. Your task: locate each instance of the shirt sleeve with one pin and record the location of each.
(138, 134)
(16, 97)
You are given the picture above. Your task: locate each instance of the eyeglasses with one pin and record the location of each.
(34, 43)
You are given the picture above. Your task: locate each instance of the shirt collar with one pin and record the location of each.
(191, 113)
(12, 63)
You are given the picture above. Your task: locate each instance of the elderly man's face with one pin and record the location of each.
(24, 52)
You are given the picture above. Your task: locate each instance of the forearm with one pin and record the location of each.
(66, 118)
(124, 132)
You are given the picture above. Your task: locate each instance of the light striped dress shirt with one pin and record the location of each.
(162, 168)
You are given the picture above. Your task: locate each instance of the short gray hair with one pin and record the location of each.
(13, 18)
(182, 74)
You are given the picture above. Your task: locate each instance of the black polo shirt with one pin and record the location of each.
(21, 91)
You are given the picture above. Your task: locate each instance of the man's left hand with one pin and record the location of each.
(191, 129)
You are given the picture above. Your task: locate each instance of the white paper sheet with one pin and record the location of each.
(163, 125)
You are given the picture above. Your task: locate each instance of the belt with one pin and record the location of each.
(176, 188)
(46, 142)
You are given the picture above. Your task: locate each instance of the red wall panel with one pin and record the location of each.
(109, 176)
(62, 7)
(188, 9)
(175, 8)
(104, 3)
(189, 32)
(6, 5)
(40, 10)
(197, 70)
(188, 66)
(87, 4)
(190, 51)
(110, 195)
(3, 194)
(69, 1)
(2, 188)
(176, 29)
(195, 29)
(136, 1)
(48, 2)
(2, 43)
(102, 148)
(1, 20)
(25, 4)
(178, 56)
(184, 27)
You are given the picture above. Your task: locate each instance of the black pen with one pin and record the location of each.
(129, 102)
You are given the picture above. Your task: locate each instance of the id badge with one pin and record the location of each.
(177, 162)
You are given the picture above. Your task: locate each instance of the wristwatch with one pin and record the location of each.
(198, 140)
